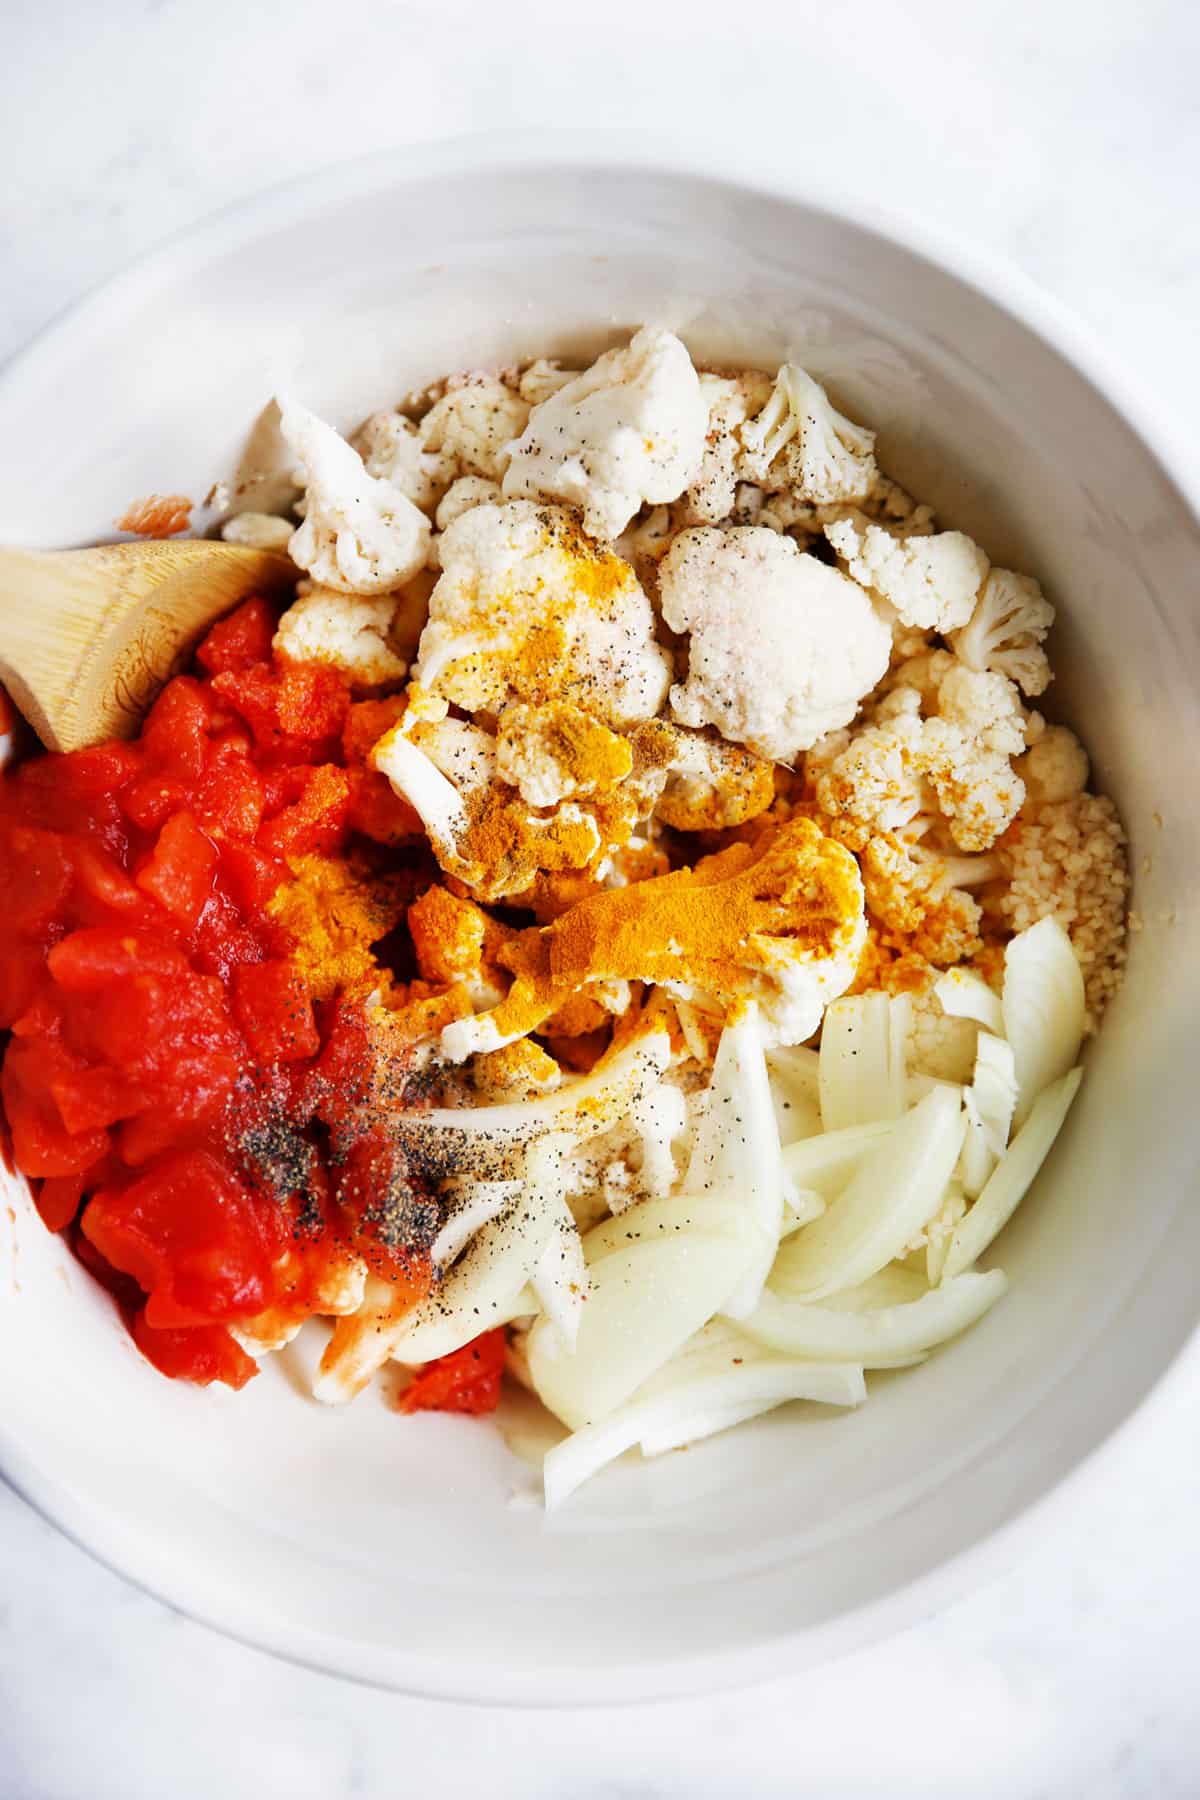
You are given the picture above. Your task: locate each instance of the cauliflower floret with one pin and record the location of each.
(645, 542)
(552, 752)
(800, 441)
(1054, 769)
(1005, 631)
(360, 535)
(938, 1043)
(782, 648)
(391, 448)
(1067, 862)
(916, 898)
(873, 775)
(781, 923)
(629, 430)
(978, 794)
(461, 496)
(923, 673)
(713, 785)
(529, 609)
(480, 828)
(986, 707)
(541, 379)
(455, 941)
(472, 426)
(730, 401)
(931, 581)
(902, 765)
(260, 531)
(347, 631)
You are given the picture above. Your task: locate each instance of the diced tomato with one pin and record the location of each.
(313, 701)
(22, 978)
(467, 1381)
(208, 1139)
(102, 879)
(252, 692)
(194, 1239)
(180, 869)
(35, 877)
(42, 1143)
(230, 801)
(202, 1354)
(148, 802)
(176, 731)
(366, 722)
(57, 1200)
(100, 956)
(378, 812)
(251, 876)
(240, 639)
(317, 820)
(274, 1009)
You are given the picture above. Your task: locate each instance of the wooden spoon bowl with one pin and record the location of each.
(87, 637)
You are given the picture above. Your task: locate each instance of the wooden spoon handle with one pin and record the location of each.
(87, 636)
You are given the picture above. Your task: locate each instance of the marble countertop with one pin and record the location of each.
(1065, 136)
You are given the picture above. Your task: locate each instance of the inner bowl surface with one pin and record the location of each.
(413, 1552)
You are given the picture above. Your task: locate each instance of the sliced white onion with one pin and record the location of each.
(826, 1163)
(1013, 1176)
(823, 1333)
(989, 1102)
(898, 1188)
(560, 1278)
(800, 1207)
(965, 995)
(736, 1155)
(1044, 1009)
(481, 1202)
(691, 1411)
(795, 1089)
(862, 1061)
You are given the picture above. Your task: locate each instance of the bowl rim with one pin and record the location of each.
(1076, 344)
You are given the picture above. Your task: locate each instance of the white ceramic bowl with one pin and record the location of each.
(410, 1552)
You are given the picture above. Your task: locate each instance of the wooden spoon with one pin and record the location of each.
(87, 637)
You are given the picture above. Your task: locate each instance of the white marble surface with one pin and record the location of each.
(1065, 135)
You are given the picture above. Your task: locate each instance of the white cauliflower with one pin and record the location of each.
(528, 609)
(900, 765)
(986, 707)
(360, 535)
(712, 785)
(392, 450)
(1006, 630)
(800, 441)
(781, 648)
(630, 430)
(939, 1043)
(553, 752)
(541, 379)
(481, 830)
(930, 579)
(730, 401)
(347, 631)
(462, 495)
(260, 531)
(472, 426)
(1054, 769)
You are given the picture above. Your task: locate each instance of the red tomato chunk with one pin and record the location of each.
(167, 1079)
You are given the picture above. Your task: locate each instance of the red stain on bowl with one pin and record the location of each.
(157, 516)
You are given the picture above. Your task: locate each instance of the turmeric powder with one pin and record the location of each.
(741, 917)
(332, 912)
